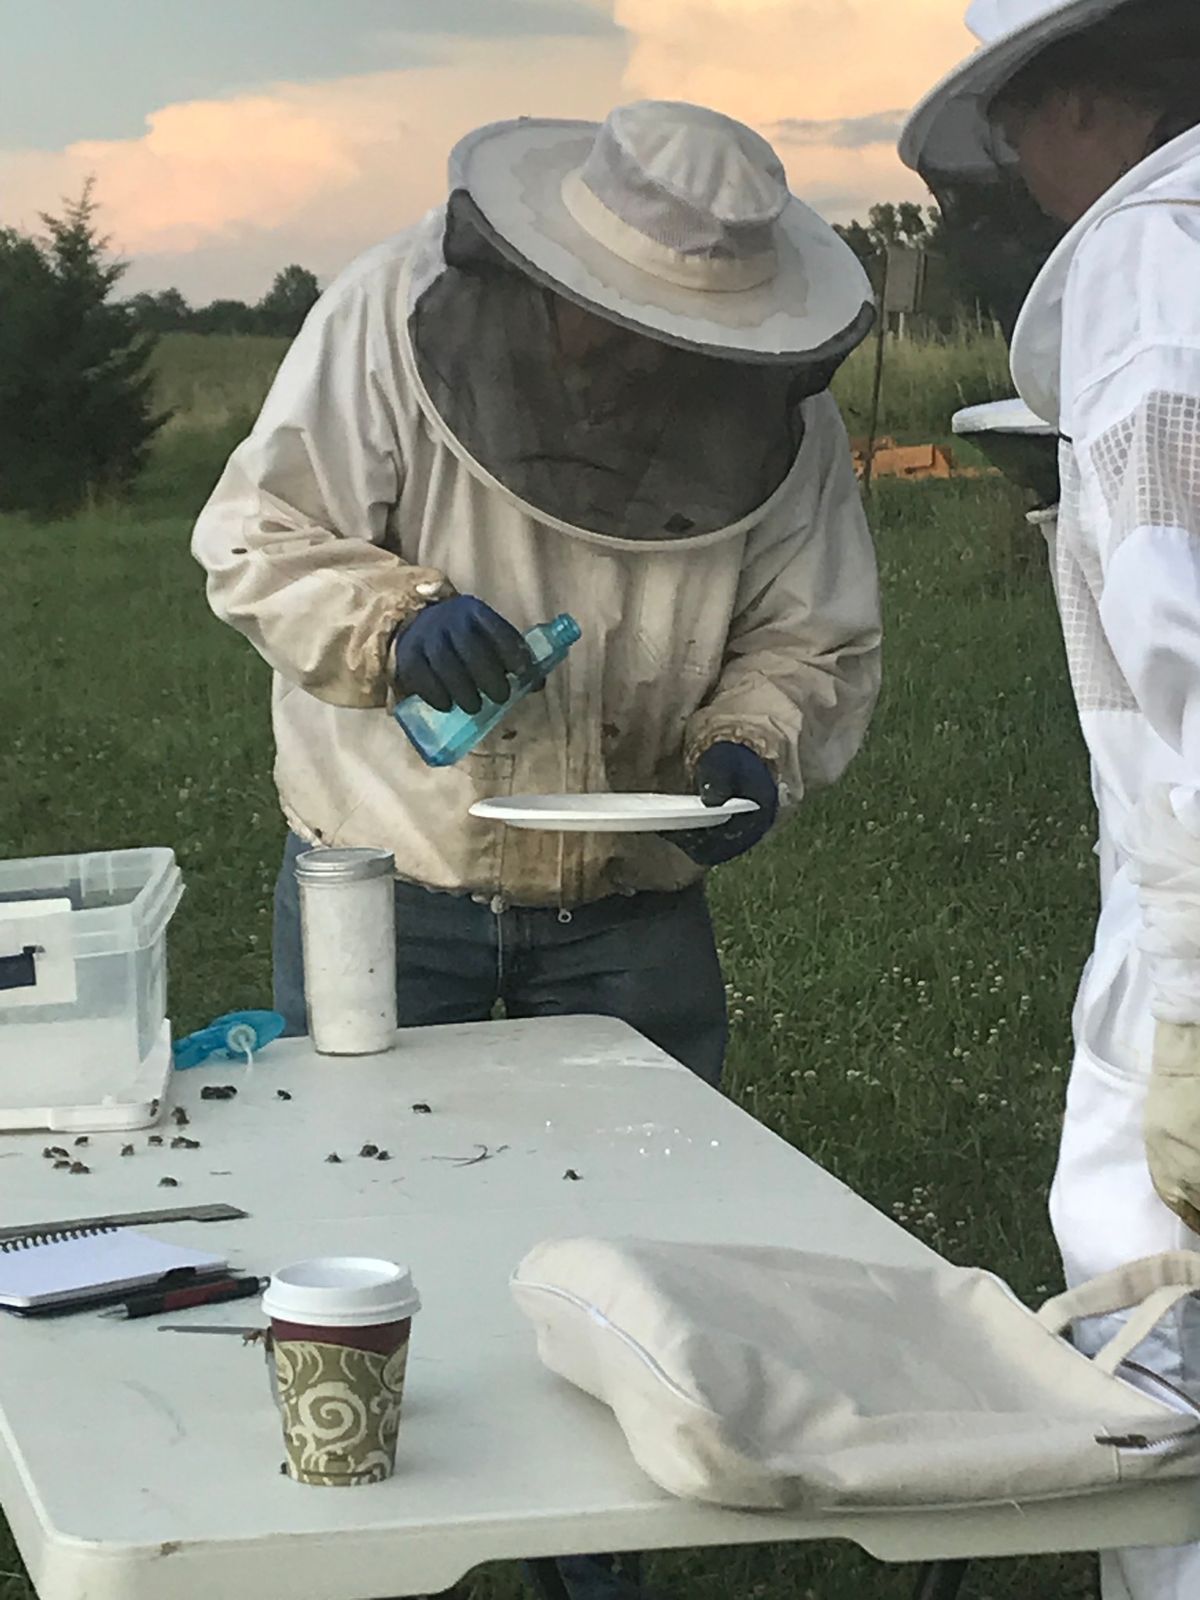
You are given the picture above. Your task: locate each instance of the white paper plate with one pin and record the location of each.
(609, 813)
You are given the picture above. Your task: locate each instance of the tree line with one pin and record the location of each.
(77, 408)
(280, 312)
(986, 244)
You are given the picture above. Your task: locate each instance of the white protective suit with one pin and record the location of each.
(354, 494)
(1108, 350)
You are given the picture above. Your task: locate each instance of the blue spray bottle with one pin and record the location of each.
(443, 737)
(236, 1036)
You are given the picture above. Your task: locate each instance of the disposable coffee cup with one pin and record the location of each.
(340, 1329)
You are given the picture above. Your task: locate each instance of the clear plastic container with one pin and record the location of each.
(84, 1038)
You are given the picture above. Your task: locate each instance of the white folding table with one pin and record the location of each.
(144, 1465)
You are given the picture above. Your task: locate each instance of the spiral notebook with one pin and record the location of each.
(84, 1266)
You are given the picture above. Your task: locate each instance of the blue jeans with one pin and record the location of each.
(648, 959)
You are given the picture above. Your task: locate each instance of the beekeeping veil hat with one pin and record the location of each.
(950, 134)
(997, 232)
(712, 302)
(675, 221)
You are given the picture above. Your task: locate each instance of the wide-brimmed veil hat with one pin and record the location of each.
(950, 134)
(672, 220)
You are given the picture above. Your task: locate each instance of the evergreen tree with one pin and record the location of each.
(76, 405)
(28, 471)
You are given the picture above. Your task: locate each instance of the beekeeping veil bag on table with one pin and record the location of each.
(619, 323)
(762, 1378)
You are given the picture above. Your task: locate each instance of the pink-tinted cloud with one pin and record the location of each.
(216, 194)
(215, 189)
(789, 66)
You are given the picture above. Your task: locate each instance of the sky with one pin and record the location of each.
(229, 138)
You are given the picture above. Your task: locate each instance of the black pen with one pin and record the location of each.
(200, 1294)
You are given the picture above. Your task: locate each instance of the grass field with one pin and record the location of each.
(208, 382)
(211, 383)
(901, 959)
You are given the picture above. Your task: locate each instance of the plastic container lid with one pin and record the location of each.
(121, 900)
(344, 866)
(1002, 416)
(341, 1292)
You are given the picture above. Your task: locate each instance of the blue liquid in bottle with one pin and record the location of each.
(443, 737)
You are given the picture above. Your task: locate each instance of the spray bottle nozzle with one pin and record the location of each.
(237, 1034)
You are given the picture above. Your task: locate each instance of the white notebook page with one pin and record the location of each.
(66, 1269)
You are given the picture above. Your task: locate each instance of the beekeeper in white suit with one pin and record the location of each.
(596, 381)
(1097, 105)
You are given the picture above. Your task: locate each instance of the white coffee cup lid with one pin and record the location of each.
(341, 1292)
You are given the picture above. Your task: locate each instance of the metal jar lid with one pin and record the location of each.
(344, 866)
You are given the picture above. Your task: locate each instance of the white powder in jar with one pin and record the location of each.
(348, 923)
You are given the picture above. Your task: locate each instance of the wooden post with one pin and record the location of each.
(880, 340)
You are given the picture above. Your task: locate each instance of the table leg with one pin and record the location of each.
(588, 1578)
(547, 1581)
(941, 1580)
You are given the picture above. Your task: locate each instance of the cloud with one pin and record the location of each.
(126, 57)
(486, 18)
(810, 74)
(844, 133)
(215, 194)
(811, 59)
(198, 170)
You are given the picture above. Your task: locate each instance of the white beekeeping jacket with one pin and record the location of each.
(402, 446)
(1108, 350)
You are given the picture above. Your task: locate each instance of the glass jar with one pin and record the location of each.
(348, 924)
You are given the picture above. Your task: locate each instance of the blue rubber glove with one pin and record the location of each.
(455, 652)
(731, 772)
